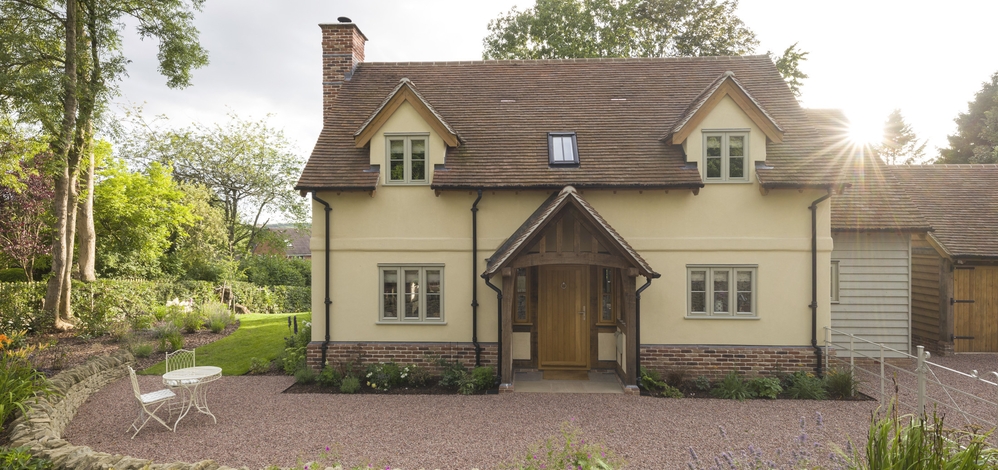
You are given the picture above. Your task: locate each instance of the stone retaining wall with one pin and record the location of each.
(41, 427)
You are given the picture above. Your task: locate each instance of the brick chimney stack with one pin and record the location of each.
(342, 51)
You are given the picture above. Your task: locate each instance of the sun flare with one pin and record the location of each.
(866, 132)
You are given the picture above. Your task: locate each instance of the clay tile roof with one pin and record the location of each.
(618, 108)
(404, 82)
(544, 212)
(961, 203)
(705, 96)
(875, 201)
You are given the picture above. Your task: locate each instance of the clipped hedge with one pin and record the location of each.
(100, 305)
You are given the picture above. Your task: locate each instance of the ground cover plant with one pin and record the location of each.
(259, 336)
(567, 450)
(19, 381)
(838, 384)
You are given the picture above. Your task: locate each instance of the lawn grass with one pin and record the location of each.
(259, 335)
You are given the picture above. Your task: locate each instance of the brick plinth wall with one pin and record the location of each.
(421, 354)
(935, 346)
(714, 362)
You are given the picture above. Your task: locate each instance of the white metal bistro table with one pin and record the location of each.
(193, 380)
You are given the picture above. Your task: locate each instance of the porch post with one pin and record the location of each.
(506, 325)
(630, 327)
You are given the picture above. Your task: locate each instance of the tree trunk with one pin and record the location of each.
(61, 258)
(85, 232)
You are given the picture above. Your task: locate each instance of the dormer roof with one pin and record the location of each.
(725, 85)
(405, 92)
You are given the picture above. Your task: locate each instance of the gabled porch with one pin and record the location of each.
(568, 295)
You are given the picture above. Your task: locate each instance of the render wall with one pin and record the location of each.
(874, 291)
(726, 223)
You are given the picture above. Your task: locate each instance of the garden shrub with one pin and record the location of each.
(805, 386)
(329, 377)
(142, 350)
(765, 387)
(415, 376)
(569, 450)
(217, 316)
(732, 387)
(20, 458)
(13, 275)
(452, 373)
(676, 377)
(702, 383)
(483, 377)
(192, 321)
(293, 359)
(350, 385)
(651, 380)
(18, 380)
(841, 383)
(383, 376)
(273, 270)
(305, 376)
(259, 366)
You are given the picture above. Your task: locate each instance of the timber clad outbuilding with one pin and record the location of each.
(574, 215)
(873, 222)
(955, 267)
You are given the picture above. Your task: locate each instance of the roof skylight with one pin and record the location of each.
(562, 149)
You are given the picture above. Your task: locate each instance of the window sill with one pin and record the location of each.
(413, 322)
(718, 317)
(707, 181)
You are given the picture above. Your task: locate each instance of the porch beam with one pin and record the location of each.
(628, 291)
(601, 259)
(506, 342)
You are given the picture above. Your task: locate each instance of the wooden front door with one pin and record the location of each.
(975, 309)
(562, 317)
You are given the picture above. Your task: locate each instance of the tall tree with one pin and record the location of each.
(976, 138)
(250, 166)
(563, 29)
(900, 145)
(59, 62)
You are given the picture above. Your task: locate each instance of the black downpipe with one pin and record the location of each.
(814, 281)
(499, 308)
(637, 328)
(325, 344)
(474, 280)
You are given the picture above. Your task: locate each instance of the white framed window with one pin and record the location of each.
(411, 293)
(407, 158)
(725, 156)
(721, 291)
(834, 281)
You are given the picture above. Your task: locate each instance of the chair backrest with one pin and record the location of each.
(135, 383)
(179, 359)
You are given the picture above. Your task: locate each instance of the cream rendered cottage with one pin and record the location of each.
(567, 215)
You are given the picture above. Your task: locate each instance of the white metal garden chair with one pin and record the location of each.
(179, 359)
(149, 404)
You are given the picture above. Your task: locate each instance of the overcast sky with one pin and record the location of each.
(867, 57)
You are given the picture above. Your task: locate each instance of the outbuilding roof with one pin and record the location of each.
(961, 203)
(620, 109)
(874, 201)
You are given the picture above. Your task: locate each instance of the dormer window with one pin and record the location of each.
(725, 156)
(407, 159)
(562, 149)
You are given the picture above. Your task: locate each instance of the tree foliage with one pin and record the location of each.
(136, 215)
(250, 167)
(24, 233)
(900, 145)
(59, 64)
(976, 138)
(563, 29)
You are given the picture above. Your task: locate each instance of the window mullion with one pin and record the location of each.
(709, 287)
(725, 158)
(733, 292)
(407, 162)
(422, 294)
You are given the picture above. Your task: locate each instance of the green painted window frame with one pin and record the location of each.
(726, 157)
(407, 160)
(419, 294)
(732, 271)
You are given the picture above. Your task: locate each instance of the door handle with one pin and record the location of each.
(583, 312)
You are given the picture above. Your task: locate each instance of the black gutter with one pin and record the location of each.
(325, 344)
(814, 279)
(499, 309)
(637, 326)
(474, 280)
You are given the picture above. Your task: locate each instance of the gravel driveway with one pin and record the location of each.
(258, 426)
